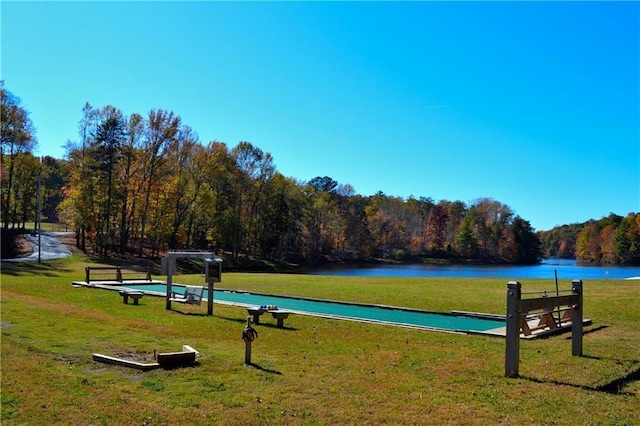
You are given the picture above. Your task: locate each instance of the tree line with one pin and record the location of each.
(139, 185)
(613, 239)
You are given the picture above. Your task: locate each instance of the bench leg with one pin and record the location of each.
(280, 322)
(125, 299)
(135, 300)
(256, 319)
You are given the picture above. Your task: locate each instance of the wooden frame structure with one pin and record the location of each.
(213, 272)
(163, 360)
(518, 309)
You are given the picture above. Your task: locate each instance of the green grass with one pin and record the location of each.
(49, 227)
(315, 371)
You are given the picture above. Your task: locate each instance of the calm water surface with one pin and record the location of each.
(567, 270)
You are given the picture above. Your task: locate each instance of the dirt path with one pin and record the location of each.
(51, 247)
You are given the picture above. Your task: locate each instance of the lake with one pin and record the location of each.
(568, 269)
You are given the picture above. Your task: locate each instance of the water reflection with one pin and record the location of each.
(567, 269)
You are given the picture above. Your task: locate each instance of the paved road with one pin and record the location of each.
(52, 248)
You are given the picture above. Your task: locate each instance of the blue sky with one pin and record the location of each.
(536, 105)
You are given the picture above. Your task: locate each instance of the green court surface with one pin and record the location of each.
(451, 322)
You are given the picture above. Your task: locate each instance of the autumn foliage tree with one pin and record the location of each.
(612, 240)
(142, 185)
(17, 141)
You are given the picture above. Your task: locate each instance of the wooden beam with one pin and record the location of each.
(176, 359)
(528, 305)
(125, 362)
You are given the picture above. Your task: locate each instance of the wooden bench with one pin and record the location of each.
(135, 295)
(255, 313)
(280, 315)
(118, 274)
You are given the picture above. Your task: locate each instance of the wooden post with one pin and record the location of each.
(248, 335)
(170, 267)
(512, 355)
(576, 319)
(247, 353)
(210, 298)
(87, 271)
(212, 274)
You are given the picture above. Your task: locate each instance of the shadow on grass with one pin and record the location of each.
(266, 370)
(181, 367)
(285, 328)
(46, 269)
(194, 314)
(261, 324)
(238, 320)
(591, 330)
(615, 387)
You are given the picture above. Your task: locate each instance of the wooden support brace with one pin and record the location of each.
(547, 320)
(524, 326)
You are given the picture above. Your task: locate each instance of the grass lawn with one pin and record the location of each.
(49, 227)
(315, 370)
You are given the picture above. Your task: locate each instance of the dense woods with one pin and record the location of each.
(613, 239)
(139, 185)
(19, 168)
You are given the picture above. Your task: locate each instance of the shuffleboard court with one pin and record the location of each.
(450, 322)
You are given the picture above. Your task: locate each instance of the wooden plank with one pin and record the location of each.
(176, 359)
(124, 362)
(527, 305)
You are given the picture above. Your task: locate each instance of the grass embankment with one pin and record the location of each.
(315, 371)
